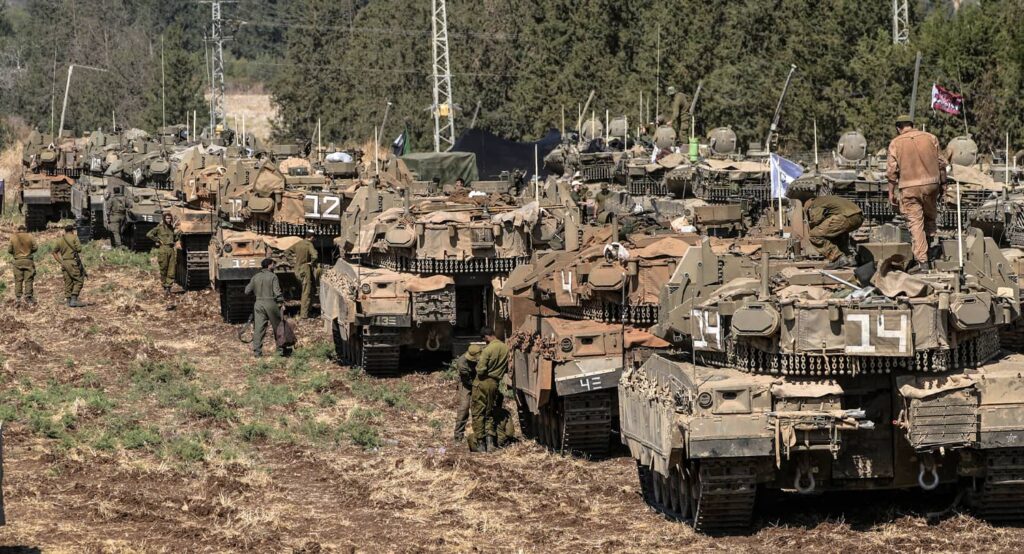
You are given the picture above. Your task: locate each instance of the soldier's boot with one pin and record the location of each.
(491, 445)
(17, 302)
(167, 290)
(476, 445)
(30, 301)
(74, 303)
(67, 301)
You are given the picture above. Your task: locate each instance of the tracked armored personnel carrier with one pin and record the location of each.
(88, 195)
(197, 176)
(580, 317)
(51, 167)
(790, 377)
(237, 256)
(433, 259)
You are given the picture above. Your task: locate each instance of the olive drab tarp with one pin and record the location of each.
(445, 166)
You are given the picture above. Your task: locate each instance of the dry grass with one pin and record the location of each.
(255, 108)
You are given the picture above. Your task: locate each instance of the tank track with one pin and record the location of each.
(83, 227)
(99, 230)
(715, 496)
(726, 490)
(579, 424)
(380, 355)
(235, 305)
(999, 496)
(36, 218)
(192, 270)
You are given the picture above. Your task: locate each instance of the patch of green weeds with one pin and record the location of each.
(360, 428)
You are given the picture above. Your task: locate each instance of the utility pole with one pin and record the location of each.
(67, 87)
(900, 22)
(444, 110)
(217, 40)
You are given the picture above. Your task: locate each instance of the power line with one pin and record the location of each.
(376, 70)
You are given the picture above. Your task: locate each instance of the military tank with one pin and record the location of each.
(793, 378)
(143, 210)
(580, 318)
(447, 252)
(50, 169)
(197, 176)
(87, 201)
(585, 156)
(237, 256)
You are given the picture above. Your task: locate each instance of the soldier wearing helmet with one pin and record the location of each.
(916, 172)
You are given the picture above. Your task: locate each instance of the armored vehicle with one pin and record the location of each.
(580, 319)
(238, 255)
(143, 210)
(87, 200)
(585, 155)
(445, 251)
(44, 192)
(790, 377)
(197, 175)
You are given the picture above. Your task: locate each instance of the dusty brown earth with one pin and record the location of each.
(131, 427)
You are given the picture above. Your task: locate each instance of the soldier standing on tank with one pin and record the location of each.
(831, 219)
(466, 366)
(676, 110)
(68, 252)
(116, 211)
(916, 172)
(166, 238)
(266, 287)
(23, 248)
(486, 398)
(304, 256)
(601, 202)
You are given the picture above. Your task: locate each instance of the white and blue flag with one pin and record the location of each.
(784, 172)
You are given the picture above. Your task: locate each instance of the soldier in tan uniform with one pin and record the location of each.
(67, 251)
(304, 256)
(831, 220)
(23, 247)
(165, 236)
(916, 172)
(466, 367)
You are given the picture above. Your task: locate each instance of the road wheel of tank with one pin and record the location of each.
(235, 305)
(36, 217)
(724, 492)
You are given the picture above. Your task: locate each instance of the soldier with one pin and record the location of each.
(68, 252)
(466, 366)
(266, 287)
(486, 399)
(166, 238)
(115, 216)
(831, 220)
(304, 256)
(676, 103)
(23, 248)
(916, 171)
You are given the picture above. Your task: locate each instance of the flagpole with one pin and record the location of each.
(815, 143)
(959, 228)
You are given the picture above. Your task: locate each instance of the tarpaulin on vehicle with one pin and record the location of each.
(445, 166)
(495, 154)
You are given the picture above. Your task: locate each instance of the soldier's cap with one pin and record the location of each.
(904, 119)
(69, 228)
(670, 90)
(604, 186)
(473, 352)
(310, 233)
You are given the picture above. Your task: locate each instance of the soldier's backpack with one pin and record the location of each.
(284, 335)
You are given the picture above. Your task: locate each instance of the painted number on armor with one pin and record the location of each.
(878, 333)
(707, 330)
(591, 383)
(386, 321)
(323, 207)
(236, 209)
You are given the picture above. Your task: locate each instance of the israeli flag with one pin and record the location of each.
(784, 172)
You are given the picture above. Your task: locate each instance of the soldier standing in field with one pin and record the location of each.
(466, 366)
(486, 398)
(23, 248)
(266, 287)
(304, 256)
(916, 172)
(166, 238)
(115, 217)
(67, 251)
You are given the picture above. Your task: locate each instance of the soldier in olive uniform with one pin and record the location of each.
(466, 366)
(305, 257)
(68, 252)
(116, 211)
(831, 220)
(166, 237)
(266, 287)
(23, 248)
(601, 202)
(676, 110)
(486, 398)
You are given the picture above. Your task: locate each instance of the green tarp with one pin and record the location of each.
(446, 166)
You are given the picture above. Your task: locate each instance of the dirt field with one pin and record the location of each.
(131, 427)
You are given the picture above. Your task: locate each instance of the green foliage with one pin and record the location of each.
(255, 431)
(360, 428)
(188, 449)
(395, 395)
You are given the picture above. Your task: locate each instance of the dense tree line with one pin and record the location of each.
(526, 62)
